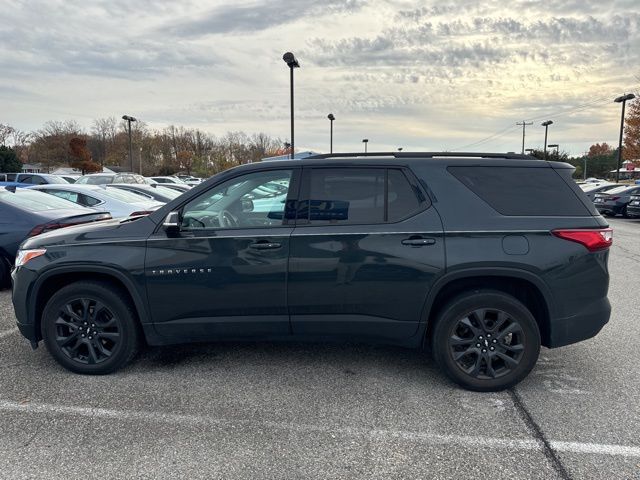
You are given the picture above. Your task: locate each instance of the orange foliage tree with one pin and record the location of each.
(81, 157)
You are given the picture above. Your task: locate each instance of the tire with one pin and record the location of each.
(624, 212)
(5, 273)
(70, 338)
(501, 325)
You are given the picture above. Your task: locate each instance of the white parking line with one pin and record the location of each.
(8, 333)
(383, 434)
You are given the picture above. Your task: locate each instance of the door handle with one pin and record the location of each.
(418, 241)
(264, 245)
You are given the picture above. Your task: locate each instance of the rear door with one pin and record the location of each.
(365, 251)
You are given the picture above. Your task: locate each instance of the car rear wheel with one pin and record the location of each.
(486, 340)
(90, 328)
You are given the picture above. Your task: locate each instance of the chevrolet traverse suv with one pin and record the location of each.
(480, 258)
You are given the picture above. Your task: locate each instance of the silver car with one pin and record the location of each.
(118, 202)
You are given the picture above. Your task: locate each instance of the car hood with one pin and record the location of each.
(97, 232)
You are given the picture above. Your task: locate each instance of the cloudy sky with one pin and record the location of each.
(431, 75)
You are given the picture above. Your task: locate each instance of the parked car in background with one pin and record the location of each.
(614, 202)
(25, 212)
(590, 189)
(179, 187)
(168, 180)
(98, 197)
(154, 192)
(104, 178)
(633, 209)
(33, 178)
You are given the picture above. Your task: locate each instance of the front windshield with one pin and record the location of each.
(95, 180)
(56, 179)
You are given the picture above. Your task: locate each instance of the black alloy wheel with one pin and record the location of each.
(90, 327)
(87, 331)
(486, 340)
(487, 343)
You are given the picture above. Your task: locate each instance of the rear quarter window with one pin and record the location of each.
(522, 191)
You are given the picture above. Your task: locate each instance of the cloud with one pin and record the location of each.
(258, 16)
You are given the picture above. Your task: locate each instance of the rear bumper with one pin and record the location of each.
(614, 209)
(633, 211)
(585, 324)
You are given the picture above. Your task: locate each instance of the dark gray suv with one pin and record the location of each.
(480, 258)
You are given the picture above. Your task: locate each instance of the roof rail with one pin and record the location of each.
(509, 155)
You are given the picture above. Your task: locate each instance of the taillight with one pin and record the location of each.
(45, 227)
(593, 240)
(140, 213)
(78, 220)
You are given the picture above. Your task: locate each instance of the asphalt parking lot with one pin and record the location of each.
(328, 411)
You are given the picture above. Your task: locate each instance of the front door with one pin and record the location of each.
(223, 275)
(366, 249)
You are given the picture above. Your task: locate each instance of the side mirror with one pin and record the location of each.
(247, 205)
(172, 222)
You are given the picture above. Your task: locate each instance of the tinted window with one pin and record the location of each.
(345, 196)
(11, 177)
(522, 190)
(249, 201)
(403, 199)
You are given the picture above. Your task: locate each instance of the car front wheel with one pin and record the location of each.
(486, 340)
(89, 328)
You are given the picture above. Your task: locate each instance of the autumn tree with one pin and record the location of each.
(600, 149)
(81, 157)
(631, 150)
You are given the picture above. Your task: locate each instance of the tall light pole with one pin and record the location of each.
(623, 99)
(129, 119)
(292, 63)
(365, 141)
(524, 126)
(331, 119)
(546, 131)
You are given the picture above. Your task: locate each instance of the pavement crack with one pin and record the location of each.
(538, 434)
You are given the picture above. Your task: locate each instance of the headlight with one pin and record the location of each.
(25, 255)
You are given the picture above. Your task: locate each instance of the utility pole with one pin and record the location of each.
(623, 99)
(524, 126)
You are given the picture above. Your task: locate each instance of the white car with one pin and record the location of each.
(119, 203)
(168, 180)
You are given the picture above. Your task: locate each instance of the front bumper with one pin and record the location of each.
(585, 324)
(24, 303)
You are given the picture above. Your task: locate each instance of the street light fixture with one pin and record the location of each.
(400, 149)
(622, 99)
(331, 119)
(365, 141)
(546, 131)
(292, 63)
(129, 119)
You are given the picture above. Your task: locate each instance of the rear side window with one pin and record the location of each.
(344, 196)
(521, 191)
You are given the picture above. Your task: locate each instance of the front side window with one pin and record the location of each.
(253, 200)
(352, 196)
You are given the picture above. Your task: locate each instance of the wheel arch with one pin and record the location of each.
(521, 284)
(54, 279)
